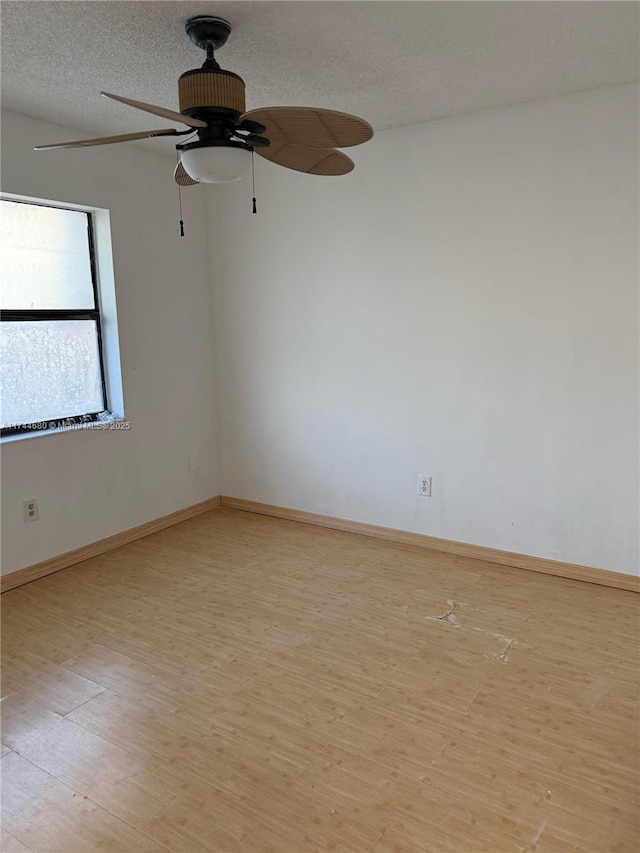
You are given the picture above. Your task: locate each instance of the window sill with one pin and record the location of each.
(108, 422)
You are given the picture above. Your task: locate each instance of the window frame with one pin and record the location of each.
(8, 315)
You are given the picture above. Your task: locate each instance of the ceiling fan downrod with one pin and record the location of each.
(210, 63)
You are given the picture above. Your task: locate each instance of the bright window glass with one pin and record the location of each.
(50, 351)
(50, 370)
(44, 257)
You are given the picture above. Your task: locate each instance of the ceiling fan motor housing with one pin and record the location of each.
(204, 88)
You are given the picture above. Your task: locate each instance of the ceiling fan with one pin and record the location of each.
(212, 104)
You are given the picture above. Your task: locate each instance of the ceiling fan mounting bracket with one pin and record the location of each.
(207, 31)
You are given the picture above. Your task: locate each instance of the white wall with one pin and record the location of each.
(92, 484)
(465, 305)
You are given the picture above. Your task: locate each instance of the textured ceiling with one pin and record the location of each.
(394, 63)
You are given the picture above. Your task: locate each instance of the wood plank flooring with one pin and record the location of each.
(243, 683)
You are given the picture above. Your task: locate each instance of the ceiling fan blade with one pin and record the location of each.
(181, 177)
(158, 111)
(312, 126)
(107, 140)
(303, 158)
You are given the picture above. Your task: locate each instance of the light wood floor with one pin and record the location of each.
(240, 683)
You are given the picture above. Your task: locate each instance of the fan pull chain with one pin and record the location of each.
(180, 201)
(253, 178)
(180, 206)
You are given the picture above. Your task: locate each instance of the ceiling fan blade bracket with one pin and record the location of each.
(255, 141)
(172, 132)
(249, 126)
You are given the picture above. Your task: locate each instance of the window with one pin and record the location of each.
(52, 370)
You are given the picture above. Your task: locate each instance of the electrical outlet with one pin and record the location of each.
(194, 461)
(30, 511)
(424, 486)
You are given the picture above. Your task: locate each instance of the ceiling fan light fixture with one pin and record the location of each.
(216, 164)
